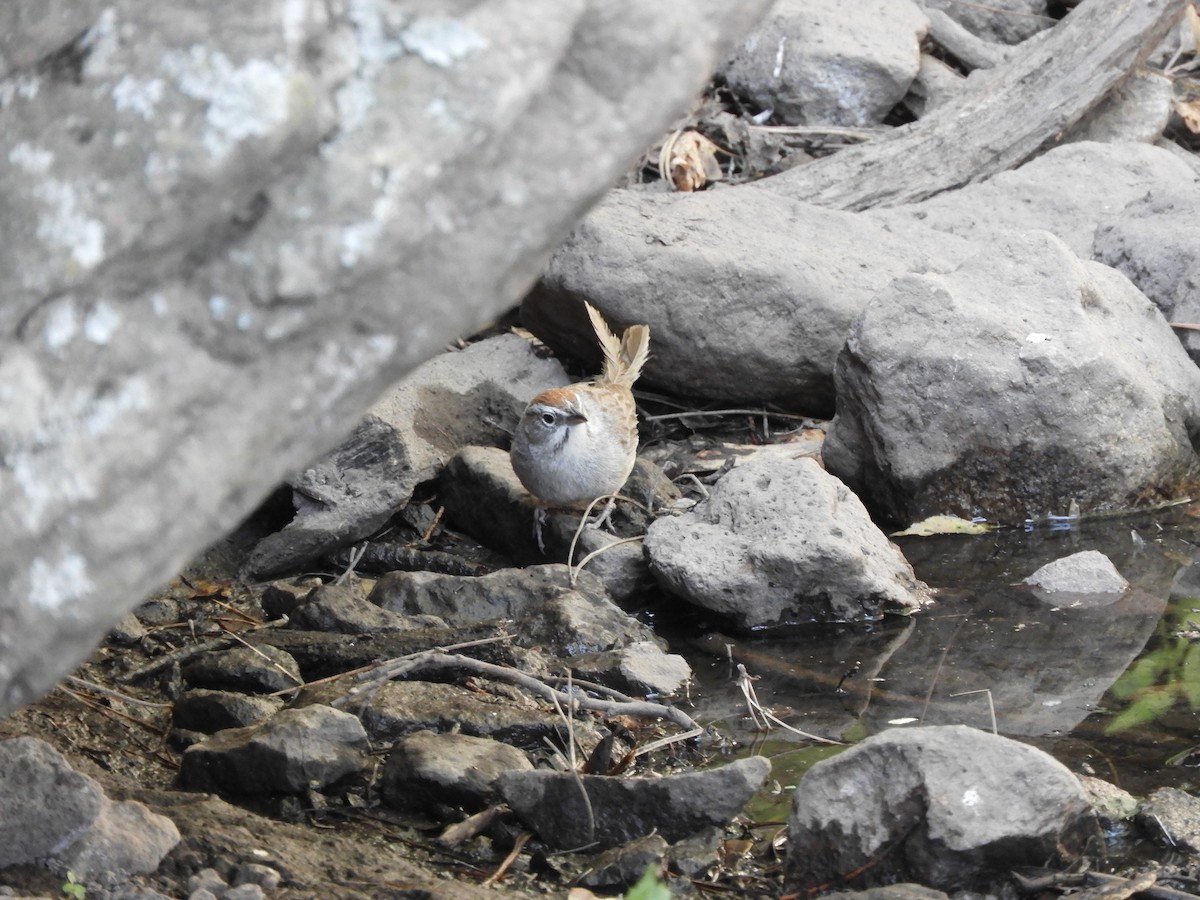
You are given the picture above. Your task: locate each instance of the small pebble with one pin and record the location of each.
(206, 880)
(266, 877)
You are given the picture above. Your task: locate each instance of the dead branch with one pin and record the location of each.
(183, 654)
(432, 661)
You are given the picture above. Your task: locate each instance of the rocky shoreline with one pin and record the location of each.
(826, 361)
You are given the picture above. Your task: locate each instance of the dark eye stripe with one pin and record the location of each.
(562, 441)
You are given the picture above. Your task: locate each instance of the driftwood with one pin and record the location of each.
(321, 654)
(1100, 885)
(382, 557)
(1003, 118)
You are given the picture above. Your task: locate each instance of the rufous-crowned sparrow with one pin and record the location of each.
(579, 442)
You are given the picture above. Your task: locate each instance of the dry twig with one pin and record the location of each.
(746, 683)
(433, 660)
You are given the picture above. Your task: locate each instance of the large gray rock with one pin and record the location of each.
(60, 817)
(296, 750)
(1153, 240)
(231, 226)
(430, 771)
(616, 810)
(1069, 191)
(1021, 382)
(207, 711)
(642, 669)
(339, 609)
(125, 839)
(822, 62)
(779, 542)
(540, 602)
(763, 288)
(1137, 110)
(250, 670)
(47, 804)
(33, 31)
(1171, 817)
(1007, 21)
(948, 807)
(1088, 573)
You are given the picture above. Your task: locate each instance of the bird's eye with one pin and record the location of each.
(548, 418)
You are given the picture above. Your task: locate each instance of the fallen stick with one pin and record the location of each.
(432, 660)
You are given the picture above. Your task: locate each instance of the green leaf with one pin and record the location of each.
(649, 887)
(1145, 673)
(72, 888)
(1189, 676)
(1146, 707)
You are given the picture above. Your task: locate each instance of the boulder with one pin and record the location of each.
(1069, 191)
(233, 226)
(62, 818)
(617, 810)
(208, 711)
(539, 601)
(258, 670)
(125, 839)
(1136, 110)
(1171, 817)
(891, 892)
(780, 541)
(1081, 577)
(641, 669)
(47, 804)
(623, 866)
(429, 772)
(760, 292)
(1113, 805)
(1153, 241)
(1005, 22)
(821, 62)
(1021, 383)
(338, 609)
(297, 750)
(947, 807)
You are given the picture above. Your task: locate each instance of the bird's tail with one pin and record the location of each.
(623, 357)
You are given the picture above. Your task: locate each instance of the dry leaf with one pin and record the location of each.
(943, 525)
(1191, 23)
(689, 161)
(1189, 112)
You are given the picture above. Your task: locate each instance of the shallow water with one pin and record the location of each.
(1107, 687)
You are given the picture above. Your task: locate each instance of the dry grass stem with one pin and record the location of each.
(991, 705)
(757, 710)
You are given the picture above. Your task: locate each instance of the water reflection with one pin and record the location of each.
(988, 647)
